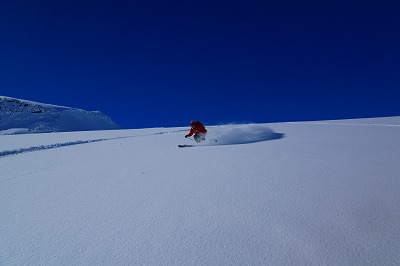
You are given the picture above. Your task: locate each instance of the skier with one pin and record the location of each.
(199, 131)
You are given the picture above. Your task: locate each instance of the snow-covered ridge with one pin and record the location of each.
(21, 116)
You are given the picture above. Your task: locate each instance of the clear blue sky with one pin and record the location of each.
(164, 63)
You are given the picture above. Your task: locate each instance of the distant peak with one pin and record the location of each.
(34, 117)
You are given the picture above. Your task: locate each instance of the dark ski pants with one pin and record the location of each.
(199, 137)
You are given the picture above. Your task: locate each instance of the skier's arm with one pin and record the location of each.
(191, 132)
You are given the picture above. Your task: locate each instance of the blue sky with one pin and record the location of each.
(164, 63)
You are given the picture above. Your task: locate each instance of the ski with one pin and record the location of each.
(184, 145)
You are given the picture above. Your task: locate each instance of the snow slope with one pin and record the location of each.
(22, 116)
(306, 193)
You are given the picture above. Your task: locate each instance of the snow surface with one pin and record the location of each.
(305, 193)
(21, 116)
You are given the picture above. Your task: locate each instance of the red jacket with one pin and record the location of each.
(197, 127)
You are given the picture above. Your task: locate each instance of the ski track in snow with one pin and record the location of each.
(71, 143)
(237, 134)
(46, 147)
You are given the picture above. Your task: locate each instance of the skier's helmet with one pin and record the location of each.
(192, 123)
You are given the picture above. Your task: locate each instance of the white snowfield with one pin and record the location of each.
(306, 193)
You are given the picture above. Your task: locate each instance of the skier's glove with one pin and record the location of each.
(186, 136)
